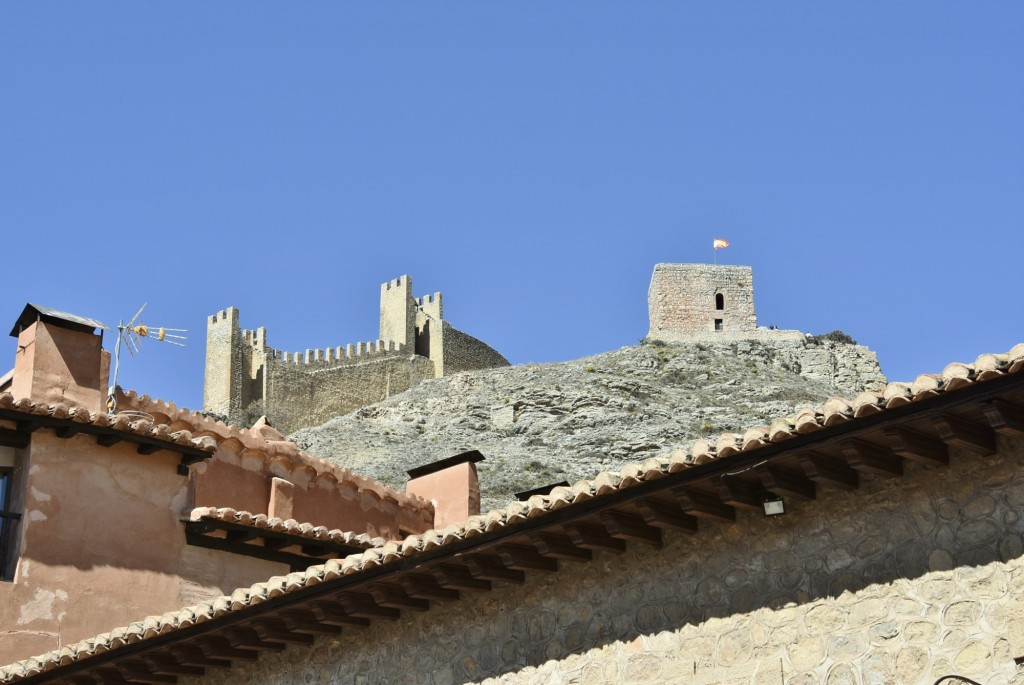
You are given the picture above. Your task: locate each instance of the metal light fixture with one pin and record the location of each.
(773, 504)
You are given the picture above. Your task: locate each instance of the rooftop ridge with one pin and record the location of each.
(954, 377)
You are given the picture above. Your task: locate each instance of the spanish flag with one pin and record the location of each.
(720, 243)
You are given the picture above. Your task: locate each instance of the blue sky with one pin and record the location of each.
(533, 161)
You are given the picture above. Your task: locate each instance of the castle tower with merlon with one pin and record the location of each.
(694, 301)
(398, 311)
(245, 377)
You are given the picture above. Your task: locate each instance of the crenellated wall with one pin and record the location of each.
(245, 377)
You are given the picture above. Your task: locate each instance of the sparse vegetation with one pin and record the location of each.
(837, 336)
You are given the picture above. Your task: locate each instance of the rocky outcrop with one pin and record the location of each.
(539, 424)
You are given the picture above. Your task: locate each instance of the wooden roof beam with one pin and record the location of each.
(559, 547)
(965, 434)
(490, 568)
(869, 458)
(739, 493)
(166, 663)
(395, 597)
(917, 447)
(362, 606)
(190, 655)
(704, 505)
(300, 621)
(594, 537)
(525, 558)
(246, 638)
(424, 586)
(660, 513)
(457, 577)
(829, 471)
(787, 483)
(1005, 418)
(630, 527)
(334, 615)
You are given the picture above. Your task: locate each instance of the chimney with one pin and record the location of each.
(60, 358)
(453, 486)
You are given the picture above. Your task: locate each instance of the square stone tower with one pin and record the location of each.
(701, 302)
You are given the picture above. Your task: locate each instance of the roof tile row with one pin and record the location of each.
(124, 423)
(288, 526)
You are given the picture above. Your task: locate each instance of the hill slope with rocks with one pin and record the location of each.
(539, 424)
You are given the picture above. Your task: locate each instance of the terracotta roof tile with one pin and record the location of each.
(285, 458)
(990, 366)
(290, 526)
(125, 423)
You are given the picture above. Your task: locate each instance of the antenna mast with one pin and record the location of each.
(131, 334)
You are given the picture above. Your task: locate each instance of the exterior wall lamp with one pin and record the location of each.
(773, 504)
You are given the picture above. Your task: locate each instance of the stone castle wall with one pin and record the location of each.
(682, 301)
(463, 352)
(903, 581)
(300, 389)
(300, 395)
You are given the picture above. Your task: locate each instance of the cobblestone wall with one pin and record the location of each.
(902, 581)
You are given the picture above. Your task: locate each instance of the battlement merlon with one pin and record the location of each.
(336, 356)
(431, 305)
(229, 315)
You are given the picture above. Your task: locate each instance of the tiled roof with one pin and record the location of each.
(126, 423)
(292, 527)
(954, 380)
(285, 459)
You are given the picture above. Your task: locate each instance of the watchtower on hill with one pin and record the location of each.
(704, 302)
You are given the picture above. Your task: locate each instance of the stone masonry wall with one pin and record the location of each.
(682, 301)
(902, 581)
(245, 376)
(223, 370)
(463, 352)
(298, 396)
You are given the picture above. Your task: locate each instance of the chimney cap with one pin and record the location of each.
(37, 312)
(472, 456)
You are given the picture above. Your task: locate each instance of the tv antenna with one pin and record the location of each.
(131, 334)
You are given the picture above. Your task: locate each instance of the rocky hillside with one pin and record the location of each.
(538, 424)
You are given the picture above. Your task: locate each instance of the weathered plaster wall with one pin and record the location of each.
(902, 581)
(102, 545)
(241, 480)
(54, 364)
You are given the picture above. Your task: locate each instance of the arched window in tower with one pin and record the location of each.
(719, 301)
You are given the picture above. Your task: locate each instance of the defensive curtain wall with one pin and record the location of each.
(713, 305)
(300, 389)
